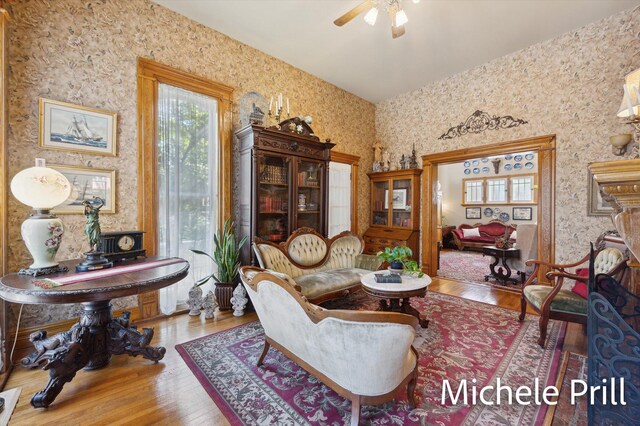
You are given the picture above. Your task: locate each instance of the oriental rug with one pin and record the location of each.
(472, 266)
(465, 340)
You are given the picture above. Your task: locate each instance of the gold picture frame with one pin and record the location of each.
(76, 128)
(86, 183)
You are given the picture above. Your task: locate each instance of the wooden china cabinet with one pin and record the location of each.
(283, 182)
(395, 211)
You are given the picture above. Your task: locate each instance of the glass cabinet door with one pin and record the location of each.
(401, 203)
(273, 198)
(309, 194)
(380, 203)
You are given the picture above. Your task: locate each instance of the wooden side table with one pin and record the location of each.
(503, 273)
(90, 343)
(397, 294)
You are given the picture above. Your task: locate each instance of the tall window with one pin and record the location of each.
(339, 198)
(187, 147)
(522, 189)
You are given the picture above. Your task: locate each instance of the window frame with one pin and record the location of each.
(507, 194)
(464, 191)
(149, 75)
(534, 189)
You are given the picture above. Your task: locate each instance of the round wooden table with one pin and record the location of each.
(395, 297)
(90, 343)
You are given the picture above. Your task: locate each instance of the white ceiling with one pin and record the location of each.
(443, 37)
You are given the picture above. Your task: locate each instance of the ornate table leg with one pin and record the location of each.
(410, 310)
(125, 338)
(89, 345)
(492, 267)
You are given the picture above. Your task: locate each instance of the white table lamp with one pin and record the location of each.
(41, 188)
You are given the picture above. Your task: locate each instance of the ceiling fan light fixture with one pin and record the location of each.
(401, 18)
(371, 16)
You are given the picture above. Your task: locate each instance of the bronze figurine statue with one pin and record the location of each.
(95, 259)
(92, 228)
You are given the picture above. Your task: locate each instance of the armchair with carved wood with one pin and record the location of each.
(554, 300)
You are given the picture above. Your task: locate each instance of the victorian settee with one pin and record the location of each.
(479, 235)
(321, 268)
(366, 357)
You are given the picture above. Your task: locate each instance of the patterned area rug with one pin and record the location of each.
(465, 340)
(471, 266)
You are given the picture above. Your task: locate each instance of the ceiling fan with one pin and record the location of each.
(392, 7)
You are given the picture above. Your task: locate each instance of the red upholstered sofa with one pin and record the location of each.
(489, 233)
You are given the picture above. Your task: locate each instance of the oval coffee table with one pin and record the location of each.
(395, 297)
(90, 343)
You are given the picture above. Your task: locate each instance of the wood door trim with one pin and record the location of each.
(4, 193)
(354, 161)
(150, 74)
(545, 146)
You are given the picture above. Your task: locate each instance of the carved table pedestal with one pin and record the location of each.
(90, 343)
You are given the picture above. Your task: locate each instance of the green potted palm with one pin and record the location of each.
(399, 259)
(226, 255)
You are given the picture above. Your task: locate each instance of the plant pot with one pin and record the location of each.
(396, 264)
(224, 293)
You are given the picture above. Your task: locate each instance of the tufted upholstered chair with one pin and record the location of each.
(323, 269)
(556, 301)
(366, 357)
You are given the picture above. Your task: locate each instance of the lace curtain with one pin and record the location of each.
(339, 198)
(187, 184)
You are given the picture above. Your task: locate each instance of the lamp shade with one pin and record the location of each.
(40, 187)
(630, 105)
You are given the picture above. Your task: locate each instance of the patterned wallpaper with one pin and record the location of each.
(85, 52)
(570, 86)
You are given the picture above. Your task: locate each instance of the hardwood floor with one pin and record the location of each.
(136, 391)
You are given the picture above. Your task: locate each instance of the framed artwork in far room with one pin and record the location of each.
(473, 212)
(76, 128)
(522, 213)
(87, 183)
(596, 205)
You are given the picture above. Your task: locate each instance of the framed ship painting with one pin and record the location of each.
(87, 183)
(76, 128)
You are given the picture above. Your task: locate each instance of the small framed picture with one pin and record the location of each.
(522, 213)
(473, 212)
(399, 199)
(596, 205)
(87, 183)
(77, 128)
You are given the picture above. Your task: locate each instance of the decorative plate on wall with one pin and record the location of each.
(529, 156)
(467, 171)
(517, 157)
(485, 160)
(497, 210)
(467, 163)
(508, 157)
(488, 212)
(517, 166)
(529, 165)
(475, 162)
(476, 171)
(504, 216)
(508, 167)
(495, 216)
(485, 170)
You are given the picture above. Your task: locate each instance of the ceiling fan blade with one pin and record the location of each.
(397, 31)
(362, 7)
